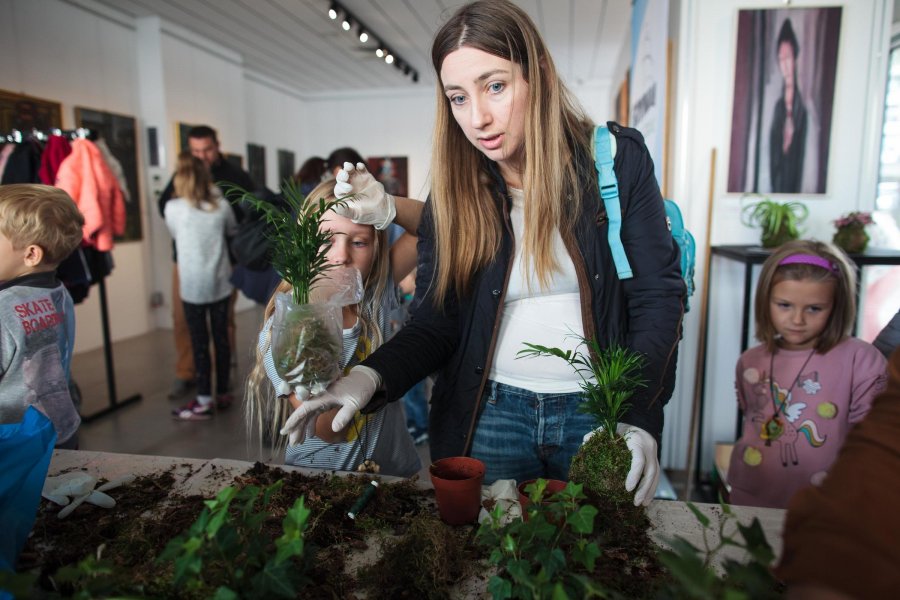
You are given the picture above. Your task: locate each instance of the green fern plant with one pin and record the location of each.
(779, 221)
(298, 248)
(609, 377)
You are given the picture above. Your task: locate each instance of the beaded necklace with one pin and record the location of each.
(774, 426)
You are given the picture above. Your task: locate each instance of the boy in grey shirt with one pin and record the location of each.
(39, 227)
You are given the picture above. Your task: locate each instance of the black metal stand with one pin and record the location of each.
(114, 403)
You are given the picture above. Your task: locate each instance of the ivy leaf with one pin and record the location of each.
(582, 520)
(704, 520)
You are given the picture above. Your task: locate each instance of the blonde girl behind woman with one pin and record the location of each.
(380, 437)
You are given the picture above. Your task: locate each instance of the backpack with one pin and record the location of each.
(609, 194)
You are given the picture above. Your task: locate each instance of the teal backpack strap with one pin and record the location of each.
(609, 195)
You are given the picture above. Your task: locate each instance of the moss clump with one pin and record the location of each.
(424, 563)
(601, 465)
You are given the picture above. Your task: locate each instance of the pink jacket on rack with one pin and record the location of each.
(91, 183)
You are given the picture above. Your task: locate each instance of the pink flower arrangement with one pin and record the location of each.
(854, 218)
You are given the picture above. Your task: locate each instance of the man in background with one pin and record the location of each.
(204, 144)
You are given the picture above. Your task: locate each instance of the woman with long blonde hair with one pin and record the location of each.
(513, 248)
(379, 440)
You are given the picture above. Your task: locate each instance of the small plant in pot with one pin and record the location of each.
(850, 234)
(306, 338)
(609, 377)
(780, 222)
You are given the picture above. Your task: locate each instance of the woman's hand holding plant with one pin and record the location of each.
(644, 462)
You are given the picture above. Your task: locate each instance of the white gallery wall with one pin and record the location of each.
(701, 120)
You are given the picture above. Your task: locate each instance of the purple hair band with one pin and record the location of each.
(809, 259)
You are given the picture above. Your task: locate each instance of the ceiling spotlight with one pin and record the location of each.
(389, 58)
(379, 53)
(346, 25)
(363, 37)
(332, 12)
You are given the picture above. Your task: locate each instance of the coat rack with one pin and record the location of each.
(17, 136)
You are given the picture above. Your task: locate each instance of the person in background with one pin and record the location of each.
(39, 227)
(379, 438)
(805, 386)
(312, 172)
(203, 143)
(840, 538)
(888, 339)
(513, 248)
(200, 220)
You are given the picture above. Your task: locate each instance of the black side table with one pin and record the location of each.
(752, 255)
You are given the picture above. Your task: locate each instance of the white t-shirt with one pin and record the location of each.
(550, 317)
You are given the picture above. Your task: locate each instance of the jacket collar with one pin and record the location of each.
(43, 279)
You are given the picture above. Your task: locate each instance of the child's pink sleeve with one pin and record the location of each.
(869, 373)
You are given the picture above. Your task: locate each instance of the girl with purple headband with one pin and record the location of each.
(808, 382)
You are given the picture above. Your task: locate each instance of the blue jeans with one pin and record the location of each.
(523, 435)
(416, 406)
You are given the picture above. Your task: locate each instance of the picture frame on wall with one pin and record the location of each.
(22, 112)
(785, 71)
(119, 133)
(256, 163)
(286, 165)
(392, 172)
(181, 135)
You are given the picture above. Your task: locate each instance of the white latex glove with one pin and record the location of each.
(299, 428)
(71, 490)
(644, 463)
(370, 204)
(350, 394)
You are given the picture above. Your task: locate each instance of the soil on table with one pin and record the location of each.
(412, 554)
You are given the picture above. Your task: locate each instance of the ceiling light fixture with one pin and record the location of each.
(349, 21)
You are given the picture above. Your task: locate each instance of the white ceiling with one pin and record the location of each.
(295, 43)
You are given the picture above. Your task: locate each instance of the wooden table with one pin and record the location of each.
(202, 476)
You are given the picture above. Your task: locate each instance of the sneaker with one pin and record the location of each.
(224, 401)
(180, 389)
(194, 411)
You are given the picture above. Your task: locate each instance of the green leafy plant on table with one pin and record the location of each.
(609, 377)
(306, 338)
(225, 549)
(551, 555)
(780, 222)
(695, 577)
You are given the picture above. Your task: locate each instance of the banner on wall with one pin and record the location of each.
(649, 35)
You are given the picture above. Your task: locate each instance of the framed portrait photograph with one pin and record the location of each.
(785, 68)
(119, 132)
(392, 172)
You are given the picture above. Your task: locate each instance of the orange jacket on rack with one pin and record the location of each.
(85, 175)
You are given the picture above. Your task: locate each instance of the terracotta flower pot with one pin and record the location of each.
(457, 486)
(553, 486)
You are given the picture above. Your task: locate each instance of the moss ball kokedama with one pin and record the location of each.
(609, 376)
